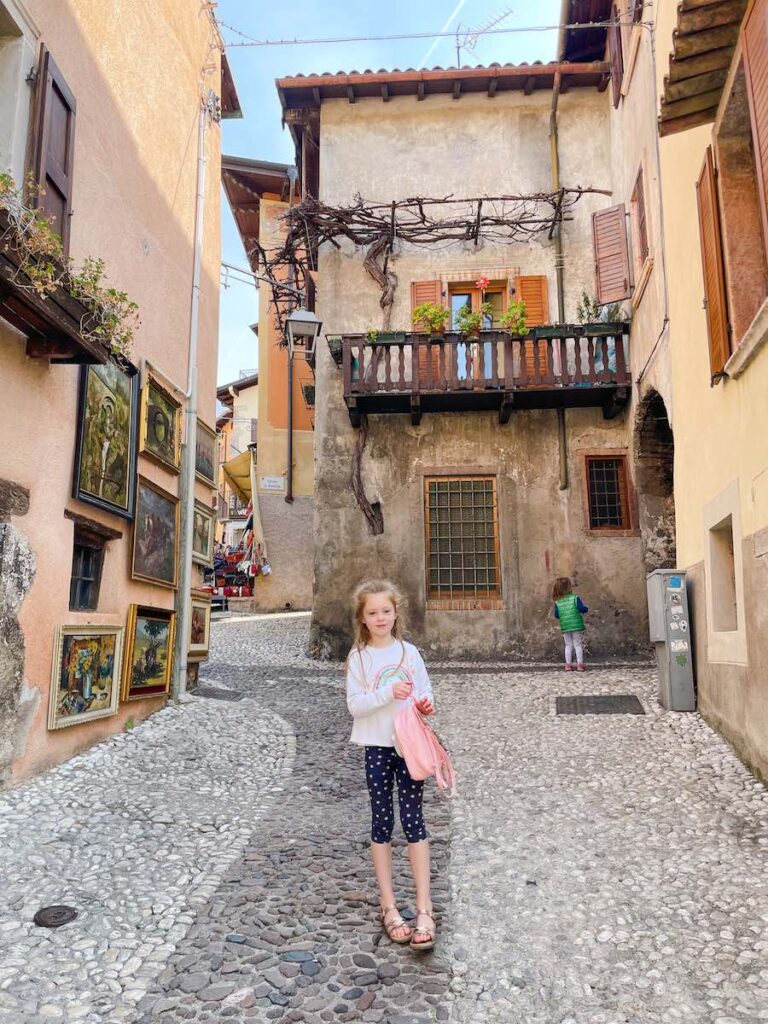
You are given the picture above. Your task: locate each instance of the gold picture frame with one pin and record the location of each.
(199, 626)
(148, 657)
(160, 430)
(203, 532)
(85, 675)
(154, 556)
(207, 455)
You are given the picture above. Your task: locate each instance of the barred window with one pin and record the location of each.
(607, 493)
(462, 537)
(87, 560)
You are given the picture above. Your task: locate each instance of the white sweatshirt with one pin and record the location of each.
(371, 674)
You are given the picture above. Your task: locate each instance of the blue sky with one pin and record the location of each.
(260, 136)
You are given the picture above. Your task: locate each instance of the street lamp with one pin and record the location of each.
(302, 329)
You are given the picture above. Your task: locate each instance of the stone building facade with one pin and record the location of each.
(104, 111)
(471, 133)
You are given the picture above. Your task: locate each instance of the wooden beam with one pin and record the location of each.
(506, 407)
(701, 42)
(106, 532)
(420, 90)
(415, 410)
(714, 60)
(350, 94)
(492, 87)
(530, 85)
(681, 124)
(457, 89)
(316, 95)
(51, 348)
(385, 92)
(605, 81)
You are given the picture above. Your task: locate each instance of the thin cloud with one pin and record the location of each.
(446, 26)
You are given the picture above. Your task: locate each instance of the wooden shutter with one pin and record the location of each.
(533, 290)
(712, 265)
(54, 144)
(616, 54)
(609, 236)
(754, 34)
(426, 291)
(638, 204)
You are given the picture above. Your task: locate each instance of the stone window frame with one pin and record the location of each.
(724, 646)
(630, 504)
(17, 59)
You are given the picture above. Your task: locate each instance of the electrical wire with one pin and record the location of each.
(251, 41)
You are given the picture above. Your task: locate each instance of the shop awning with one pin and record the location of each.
(237, 473)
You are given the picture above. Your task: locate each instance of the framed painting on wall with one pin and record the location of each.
(160, 436)
(105, 451)
(200, 625)
(206, 455)
(155, 535)
(85, 679)
(148, 661)
(203, 525)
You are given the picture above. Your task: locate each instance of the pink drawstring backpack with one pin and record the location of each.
(424, 754)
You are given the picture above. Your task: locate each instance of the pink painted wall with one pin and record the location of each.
(135, 71)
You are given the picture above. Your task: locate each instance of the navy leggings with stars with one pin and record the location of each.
(383, 765)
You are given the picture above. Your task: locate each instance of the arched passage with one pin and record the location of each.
(655, 467)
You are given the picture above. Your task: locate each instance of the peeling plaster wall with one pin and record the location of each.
(468, 148)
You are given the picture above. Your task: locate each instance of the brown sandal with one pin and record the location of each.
(396, 922)
(429, 942)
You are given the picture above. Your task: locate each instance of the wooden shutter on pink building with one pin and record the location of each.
(754, 36)
(715, 300)
(54, 145)
(609, 235)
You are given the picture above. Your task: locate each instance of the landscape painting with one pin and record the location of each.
(155, 535)
(85, 681)
(148, 652)
(105, 456)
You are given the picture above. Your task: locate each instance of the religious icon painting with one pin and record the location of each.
(160, 437)
(206, 455)
(85, 680)
(203, 524)
(148, 661)
(105, 454)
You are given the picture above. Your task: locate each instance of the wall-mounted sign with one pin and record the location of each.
(271, 483)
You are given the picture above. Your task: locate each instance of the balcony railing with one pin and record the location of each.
(561, 367)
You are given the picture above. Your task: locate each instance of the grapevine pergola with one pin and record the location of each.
(380, 229)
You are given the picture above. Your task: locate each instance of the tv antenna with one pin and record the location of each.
(468, 38)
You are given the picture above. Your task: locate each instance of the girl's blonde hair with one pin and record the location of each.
(362, 592)
(562, 587)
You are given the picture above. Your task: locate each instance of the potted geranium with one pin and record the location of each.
(514, 318)
(470, 324)
(431, 317)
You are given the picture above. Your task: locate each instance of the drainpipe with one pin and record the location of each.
(293, 174)
(187, 478)
(555, 165)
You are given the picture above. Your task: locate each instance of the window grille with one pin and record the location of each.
(607, 491)
(462, 537)
(87, 559)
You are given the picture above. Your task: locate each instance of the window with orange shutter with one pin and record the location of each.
(715, 300)
(533, 289)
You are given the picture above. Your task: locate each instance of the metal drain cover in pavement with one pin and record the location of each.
(215, 694)
(54, 917)
(600, 704)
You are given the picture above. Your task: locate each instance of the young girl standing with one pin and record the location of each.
(569, 609)
(383, 673)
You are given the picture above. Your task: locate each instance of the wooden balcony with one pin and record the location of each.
(563, 367)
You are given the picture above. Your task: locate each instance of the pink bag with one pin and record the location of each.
(423, 752)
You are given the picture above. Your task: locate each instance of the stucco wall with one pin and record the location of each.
(468, 148)
(135, 75)
(720, 450)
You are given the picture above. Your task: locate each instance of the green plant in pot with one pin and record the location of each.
(514, 318)
(371, 335)
(470, 324)
(431, 317)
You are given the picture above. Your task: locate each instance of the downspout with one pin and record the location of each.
(292, 176)
(555, 165)
(187, 477)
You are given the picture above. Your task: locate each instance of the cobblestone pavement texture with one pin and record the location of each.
(592, 870)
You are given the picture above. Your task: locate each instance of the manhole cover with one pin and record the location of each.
(600, 704)
(215, 694)
(54, 917)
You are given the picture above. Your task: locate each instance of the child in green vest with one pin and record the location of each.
(569, 609)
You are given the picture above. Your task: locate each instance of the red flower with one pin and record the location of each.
(482, 282)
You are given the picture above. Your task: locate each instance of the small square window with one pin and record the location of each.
(87, 561)
(607, 493)
(462, 537)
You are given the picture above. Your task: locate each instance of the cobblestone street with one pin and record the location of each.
(592, 869)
